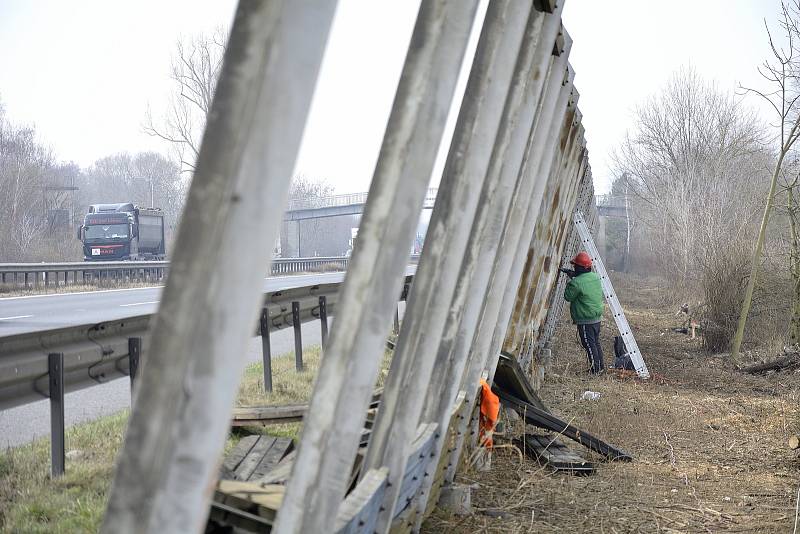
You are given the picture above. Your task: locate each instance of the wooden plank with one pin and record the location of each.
(289, 413)
(358, 463)
(237, 454)
(280, 448)
(258, 499)
(542, 419)
(359, 511)
(282, 471)
(511, 378)
(268, 415)
(250, 462)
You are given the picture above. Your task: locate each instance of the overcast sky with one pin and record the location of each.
(84, 73)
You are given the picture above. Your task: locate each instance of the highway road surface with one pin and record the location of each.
(33, 313)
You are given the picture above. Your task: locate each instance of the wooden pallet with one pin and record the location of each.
(254, 457)
(246, 505)
(547, 450)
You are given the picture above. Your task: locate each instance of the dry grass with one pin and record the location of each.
(30, 502)
(709, 444)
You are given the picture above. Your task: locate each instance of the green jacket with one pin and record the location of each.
(586, 300)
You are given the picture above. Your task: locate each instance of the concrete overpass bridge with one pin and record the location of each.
(610, 206)
(336, 205)
(353, 204)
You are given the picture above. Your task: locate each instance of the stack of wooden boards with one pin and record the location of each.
(254, 473)
(250, 489)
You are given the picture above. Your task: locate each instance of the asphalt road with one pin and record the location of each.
(44, 312)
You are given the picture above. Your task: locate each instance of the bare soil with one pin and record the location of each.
(709, 442)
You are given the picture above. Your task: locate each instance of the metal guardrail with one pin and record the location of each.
(96, 353)
(35, 274)
(46, 274)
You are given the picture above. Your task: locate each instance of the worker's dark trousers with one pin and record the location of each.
(589, 334)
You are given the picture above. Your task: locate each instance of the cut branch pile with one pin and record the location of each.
(789, 360)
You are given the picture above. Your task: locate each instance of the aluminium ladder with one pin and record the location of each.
(611, 297)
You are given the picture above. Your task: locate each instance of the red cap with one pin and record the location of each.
(583, 260)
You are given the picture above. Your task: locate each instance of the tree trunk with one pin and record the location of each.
(751, 283)
(794, 268)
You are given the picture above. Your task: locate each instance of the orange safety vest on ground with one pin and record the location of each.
(490, 411)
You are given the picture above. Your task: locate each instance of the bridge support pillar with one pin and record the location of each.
(602, 239)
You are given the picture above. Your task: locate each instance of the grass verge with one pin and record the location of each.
(7, 290)
(31, 502)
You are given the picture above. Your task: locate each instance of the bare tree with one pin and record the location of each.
(789, 184)
(689, 163)
(25, 165)
(780, 73)
(694, 162)
(145, 178)
(304, 188)
(195, 70)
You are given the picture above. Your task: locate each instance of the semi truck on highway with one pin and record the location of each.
(115, 232)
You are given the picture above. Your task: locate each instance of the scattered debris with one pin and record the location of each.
(74, 454)
(548, 421)
(590, 396)
(794, 442)
(456, 498)
(547, 450)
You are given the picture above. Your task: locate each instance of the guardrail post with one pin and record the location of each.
(266, 349)
(323, 319)
(298, 336)
(134, 353)
(55, 371)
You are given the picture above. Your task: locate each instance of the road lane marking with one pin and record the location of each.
(138, 304)
(15, 317)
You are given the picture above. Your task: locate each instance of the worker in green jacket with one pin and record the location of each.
(586, 303)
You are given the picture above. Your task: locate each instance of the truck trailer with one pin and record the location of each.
(118, 232)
